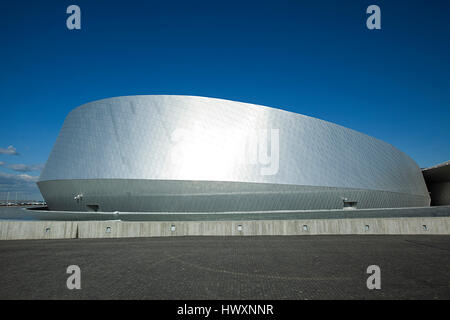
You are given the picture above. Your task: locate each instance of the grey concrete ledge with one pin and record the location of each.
(11, 230)
(441, 211)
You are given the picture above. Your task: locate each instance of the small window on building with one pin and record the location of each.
(349, 205)
(92, 207)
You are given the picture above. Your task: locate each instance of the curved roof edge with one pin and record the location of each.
(243, 103)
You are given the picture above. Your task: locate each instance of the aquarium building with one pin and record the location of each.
(168, 153)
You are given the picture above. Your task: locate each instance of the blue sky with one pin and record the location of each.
(312, 57)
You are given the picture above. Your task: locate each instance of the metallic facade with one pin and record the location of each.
(185, 153)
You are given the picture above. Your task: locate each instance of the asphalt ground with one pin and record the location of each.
(268, 267)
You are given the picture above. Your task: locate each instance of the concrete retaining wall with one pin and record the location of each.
(15, 230)
(10, 230)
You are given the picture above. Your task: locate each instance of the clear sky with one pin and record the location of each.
(313, 57)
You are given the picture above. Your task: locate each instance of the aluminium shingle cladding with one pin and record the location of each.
(169, 137)
(184, 153)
